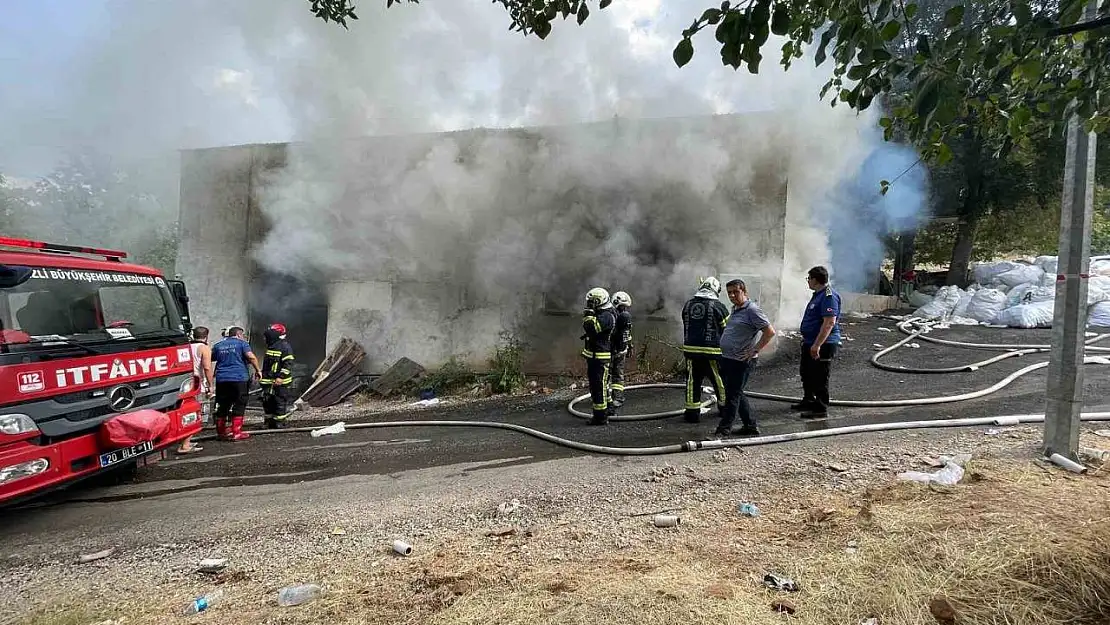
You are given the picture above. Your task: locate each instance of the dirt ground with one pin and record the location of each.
(508, 529)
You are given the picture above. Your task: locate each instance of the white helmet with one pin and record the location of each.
(597, 298)
(711, 284)
(620, 298)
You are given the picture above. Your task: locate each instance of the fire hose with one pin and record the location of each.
(689, 446)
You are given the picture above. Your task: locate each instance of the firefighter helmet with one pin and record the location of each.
(279, 328)
(620, 298)
(710, 284)
(597, 298)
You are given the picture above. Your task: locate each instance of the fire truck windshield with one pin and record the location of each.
(86, 307)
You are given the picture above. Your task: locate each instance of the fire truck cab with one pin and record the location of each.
(96, 370)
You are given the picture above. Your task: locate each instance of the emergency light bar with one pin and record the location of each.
(55, 247)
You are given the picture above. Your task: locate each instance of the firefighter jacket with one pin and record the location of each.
(277, 366)
(598, 328)
(703, 320)
(622, 331)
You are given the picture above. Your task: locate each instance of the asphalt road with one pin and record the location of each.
(297, 457)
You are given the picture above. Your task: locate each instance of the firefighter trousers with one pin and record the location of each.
(698, 368)
(275, 401)
(597, 372)
(616, 379)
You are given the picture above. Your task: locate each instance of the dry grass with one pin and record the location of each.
(1026, 545)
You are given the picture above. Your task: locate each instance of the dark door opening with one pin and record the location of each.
(302, 305)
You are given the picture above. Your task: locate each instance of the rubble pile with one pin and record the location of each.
(1017, 294)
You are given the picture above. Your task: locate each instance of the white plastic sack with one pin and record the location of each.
(1098, 289)
(1037, 315)
(942, 305)
(950, 475)
(961, 306)
(1022, 274)
(985, 305)
(1047, 263)
(1029, 294)
(986, 272)
(1099, 315)
(918, 299)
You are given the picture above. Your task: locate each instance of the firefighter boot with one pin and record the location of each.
(237, 433)
(221, 429)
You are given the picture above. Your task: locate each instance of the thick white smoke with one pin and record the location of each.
(557, 209)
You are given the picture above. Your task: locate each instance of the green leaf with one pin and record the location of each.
(826, 37)
(583, 12)
(683, 52)
(954, 16)
(711, 16)
(928, 96)
(923, 46)
(780, 20)
(604, 3)
(541, 27)
(886, 122)
(857, 72)
(910, 11)
(1031, 69)
(880, 55)
(944, 154)
(538, 5)
(890, 30)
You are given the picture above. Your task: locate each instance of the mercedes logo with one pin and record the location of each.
(121, 398)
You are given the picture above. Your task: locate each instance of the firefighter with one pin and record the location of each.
(622, 347)
(277, 376)
(703, 320)
(597, 322)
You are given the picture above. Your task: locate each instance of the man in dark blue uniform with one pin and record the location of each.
(704, 318)
(597, 326)
(820, 341)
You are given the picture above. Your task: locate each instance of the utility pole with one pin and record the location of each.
(1069, 323)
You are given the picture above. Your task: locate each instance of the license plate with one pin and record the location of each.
(119, 455)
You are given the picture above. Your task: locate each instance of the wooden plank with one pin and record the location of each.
(402, 371)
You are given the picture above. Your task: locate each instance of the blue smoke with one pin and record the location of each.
(863, 216)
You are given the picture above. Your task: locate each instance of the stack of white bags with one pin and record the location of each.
(1018, 295)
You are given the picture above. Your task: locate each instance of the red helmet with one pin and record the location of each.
(277, 327)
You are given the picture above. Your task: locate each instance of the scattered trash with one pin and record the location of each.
(783, 606)
(775, 581)
(913, 345)
(501, 533)
(666, 520)
(200, 604)
(885, 330)
(431, 401)
(950, 475)
(93, 557)
(993, 432)
(509, 507)
(296, 595)
(1067, 463)
(400, 547)
(338, 428)
(858, 315)
(877, 346)
(1093, 454)
(721, 455)
(573, 386)
(748, 509)
(338, 531)
(839, 468)
(847, 338)
(212, 565)
(427, 394)
(873, 620)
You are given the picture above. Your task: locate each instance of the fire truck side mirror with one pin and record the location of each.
(181, 297)
(12, 276)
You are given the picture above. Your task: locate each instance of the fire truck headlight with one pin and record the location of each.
(13, 424)
(189, 419)
(187, 385)
(23, 469)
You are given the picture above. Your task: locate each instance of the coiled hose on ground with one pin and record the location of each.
(688, 446)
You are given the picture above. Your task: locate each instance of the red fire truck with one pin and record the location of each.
(95, 365)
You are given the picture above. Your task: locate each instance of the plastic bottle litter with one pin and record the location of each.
(747, 508)
(296, 595)
(200, 604)
(779, 582)
(338, 428)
